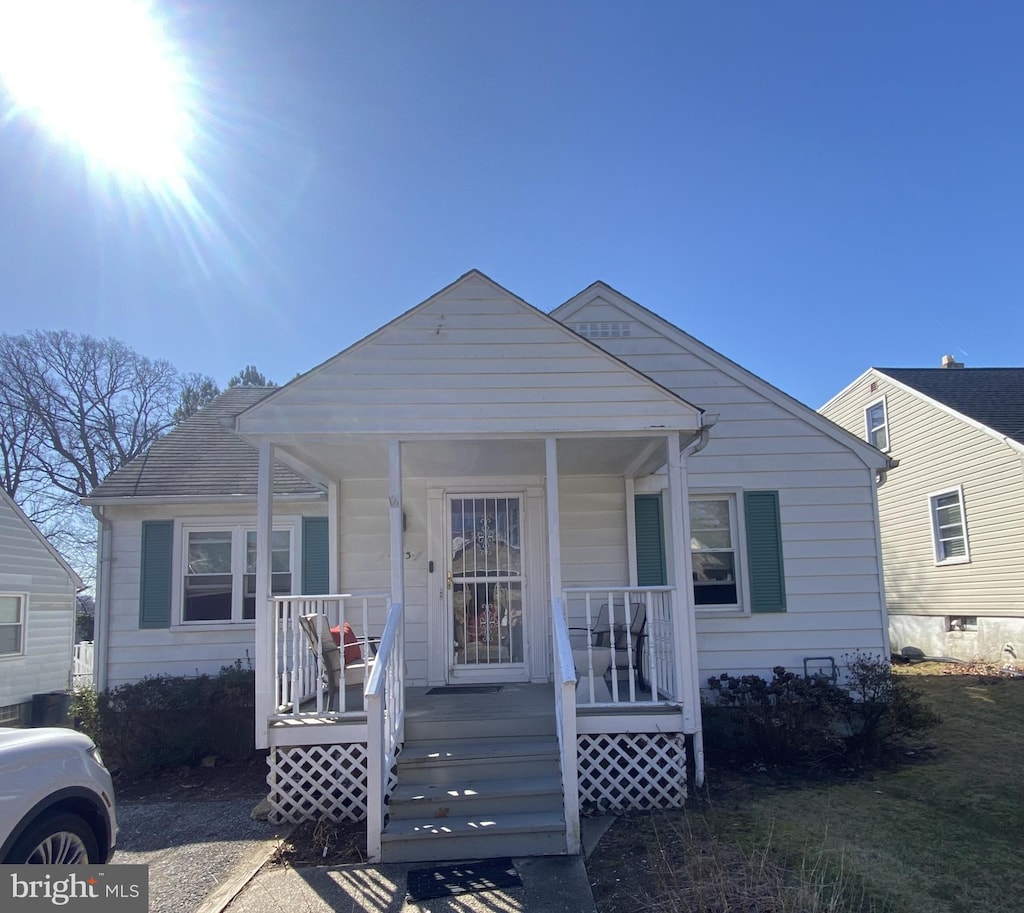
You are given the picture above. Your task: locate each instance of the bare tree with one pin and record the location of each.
(95, 404)
(73, 409)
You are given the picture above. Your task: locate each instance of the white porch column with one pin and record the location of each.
(554, 524)
(687, 673)
(265, 620)
(333, 536)
(396, 521)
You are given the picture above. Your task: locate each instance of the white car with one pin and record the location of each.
(56, 799)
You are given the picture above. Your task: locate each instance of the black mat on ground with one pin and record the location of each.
(466, 689)
(462, 878)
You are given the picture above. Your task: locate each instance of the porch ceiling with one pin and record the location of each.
(450, 458)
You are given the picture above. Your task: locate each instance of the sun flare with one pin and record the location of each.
(102, 77)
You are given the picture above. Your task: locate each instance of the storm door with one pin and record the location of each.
(485, 583)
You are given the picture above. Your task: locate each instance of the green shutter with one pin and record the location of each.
(316, 576)
(650, 541)
(764, 551)
(155, 587)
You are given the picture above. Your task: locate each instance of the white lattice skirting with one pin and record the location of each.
(619, 771)
(313, 782)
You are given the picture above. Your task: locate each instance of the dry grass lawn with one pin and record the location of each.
(942, 833)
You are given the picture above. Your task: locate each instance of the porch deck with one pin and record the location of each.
(513, 701)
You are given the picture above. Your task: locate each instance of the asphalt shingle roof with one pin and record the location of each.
(992, 396)
(202, 457)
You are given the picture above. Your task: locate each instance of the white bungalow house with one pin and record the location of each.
(951, 511)
(37, 617)
(497, 502)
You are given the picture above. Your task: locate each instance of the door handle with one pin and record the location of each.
(449, 580)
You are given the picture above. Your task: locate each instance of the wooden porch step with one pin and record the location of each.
(456, 761)
(476, 797)
(537, 833)
(470, 726)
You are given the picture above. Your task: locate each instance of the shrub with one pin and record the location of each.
(786, 721)
(169, 721)
(884, 709)
(84, 712)
(795, 720)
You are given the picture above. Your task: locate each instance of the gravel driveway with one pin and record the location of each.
(191, 845)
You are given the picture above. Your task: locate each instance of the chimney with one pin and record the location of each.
(949, 362)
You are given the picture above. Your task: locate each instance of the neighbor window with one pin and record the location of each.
(949, 527)
(877, 425)
(12, 625)
(220, 572)
(713, 547)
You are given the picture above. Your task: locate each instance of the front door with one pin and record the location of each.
(486, 586)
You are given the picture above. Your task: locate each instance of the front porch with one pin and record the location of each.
(479, 463)
(436, 769)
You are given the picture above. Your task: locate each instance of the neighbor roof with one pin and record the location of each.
(991, 396)
(202, 458)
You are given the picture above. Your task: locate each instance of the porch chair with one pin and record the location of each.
(329, 656)
(601, 632)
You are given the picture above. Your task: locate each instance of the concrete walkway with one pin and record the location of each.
(551, 884)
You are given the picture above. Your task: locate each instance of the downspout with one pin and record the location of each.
(101, 635)
(708, 421)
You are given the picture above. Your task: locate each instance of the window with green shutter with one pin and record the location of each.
(764, 551)
(155, 585)
(316, 578)
(650, 541)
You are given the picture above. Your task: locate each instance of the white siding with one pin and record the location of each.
(28, 568)
(472, 360)
(939, 451)
(826, 494)
(133, 653)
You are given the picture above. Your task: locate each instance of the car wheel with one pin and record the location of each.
(60, 838)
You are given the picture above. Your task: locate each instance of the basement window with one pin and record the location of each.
(960, 623)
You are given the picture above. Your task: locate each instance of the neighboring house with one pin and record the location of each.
(951, 511)
(37, 617)
(475, 484)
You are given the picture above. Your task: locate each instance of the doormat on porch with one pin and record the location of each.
(466, 689)
(462, 878)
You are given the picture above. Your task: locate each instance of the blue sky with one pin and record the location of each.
(810, 188)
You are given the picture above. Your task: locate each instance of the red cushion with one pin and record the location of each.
(353, 653)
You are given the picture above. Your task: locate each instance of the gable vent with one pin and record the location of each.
(604, 330)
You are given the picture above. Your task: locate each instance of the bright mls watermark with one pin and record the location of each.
(113, 888)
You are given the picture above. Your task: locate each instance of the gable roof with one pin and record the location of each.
(564, 313)
(202, 458)
(35, 531)
(993, 397)
(454, 365)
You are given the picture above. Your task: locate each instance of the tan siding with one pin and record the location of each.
(939, 451)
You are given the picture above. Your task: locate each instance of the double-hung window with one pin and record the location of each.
(12, 625)
(876, 423)
(220, 572)
(949, 527)
(713, 545)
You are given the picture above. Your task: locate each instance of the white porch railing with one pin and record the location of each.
(83, 665)
(385, 724)
(616, 630)
(565, 721)
(299, 684)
